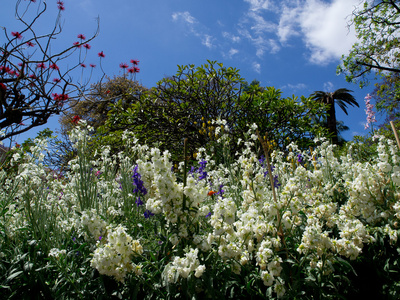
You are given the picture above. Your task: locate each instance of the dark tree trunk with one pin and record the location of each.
(331, 121)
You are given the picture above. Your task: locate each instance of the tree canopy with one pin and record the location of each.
(378, 49)
(186, 104)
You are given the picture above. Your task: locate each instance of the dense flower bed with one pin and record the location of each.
(135, 225)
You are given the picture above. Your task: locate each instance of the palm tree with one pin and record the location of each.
(341, 97)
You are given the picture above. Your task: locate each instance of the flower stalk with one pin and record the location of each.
(395, 133)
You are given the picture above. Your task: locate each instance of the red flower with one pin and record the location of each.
(32, 76)
(16, 34)
(77, 44)
(92, 65)
(3, 86)
(13, 73)
(5, 69)
(83, 65)
(123, 65)
(87, 46)
(81, 37)
(108, 91)
(101, 54)
(75, 119)
(60, 5)
(40, 66)
(54, 67)
(30, 44)
(60, 97)
(133, 70)
(210, 193)
(56, 80)
(135, 62)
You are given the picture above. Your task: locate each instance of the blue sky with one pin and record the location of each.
(293, 45)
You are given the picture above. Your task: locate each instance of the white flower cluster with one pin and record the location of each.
(57, 253)
(95, 225)
(331, 205)
(183, 266)
(114, 253)
(165, 194)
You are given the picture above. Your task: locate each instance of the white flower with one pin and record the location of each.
(199, 271)
(267, 278)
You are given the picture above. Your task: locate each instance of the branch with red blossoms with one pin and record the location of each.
(34, 82)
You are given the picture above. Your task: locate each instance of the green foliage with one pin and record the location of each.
(376, 25)
(185, 105)
(96, 104)
(387, 96)
(282, 119)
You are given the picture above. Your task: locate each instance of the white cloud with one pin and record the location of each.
(322, 26)
(256, 5)
(256, 67)
(287, 22)
(206, 40)
(184, 16)
(257, 28)
(295, 87)
(269, 25)
(328, 87)
(260, 25)
(231, 53)
(194, 27)
(231, 37)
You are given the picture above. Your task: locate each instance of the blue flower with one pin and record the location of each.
(299, 158)
(220, 190)
(200, 170)
(147, 214)
(138, 183)
(139, 201)
(262, 162)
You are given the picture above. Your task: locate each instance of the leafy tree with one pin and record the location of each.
(387, 96)
(34, 84)
(377, 28)
(290, 119)
(94, 108)
(100, 99)
(184, 106)
(341, 97)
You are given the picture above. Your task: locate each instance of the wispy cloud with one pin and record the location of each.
(206, 40)
(256, 67)
(231, 37)
(194, 27)
(328, 86)
(256, 5)
(270, 25)
(254, 27)
(184, 16)
(230, 53)
(294, 87)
